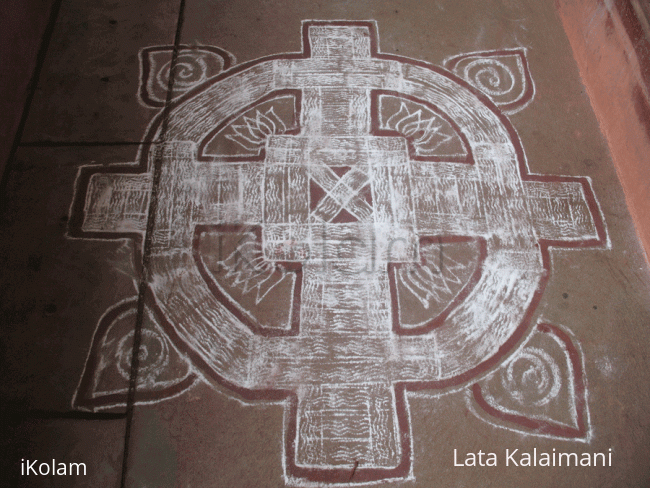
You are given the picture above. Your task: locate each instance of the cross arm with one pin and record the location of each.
(447, 199)
(563, 210)
(117, 203)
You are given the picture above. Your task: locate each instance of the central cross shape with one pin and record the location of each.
(343, 197)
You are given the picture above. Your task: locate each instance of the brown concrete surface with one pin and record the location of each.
(503, 301)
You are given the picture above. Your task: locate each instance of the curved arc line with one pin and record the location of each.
(145, 62)
(525, 175)
(529, 90)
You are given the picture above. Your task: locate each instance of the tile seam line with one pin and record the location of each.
(31, 90)
(65, 415)
(146, 248)
(54, 144)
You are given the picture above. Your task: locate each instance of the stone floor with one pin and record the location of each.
(348, 244)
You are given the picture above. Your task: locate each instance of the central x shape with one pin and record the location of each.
(340, 194)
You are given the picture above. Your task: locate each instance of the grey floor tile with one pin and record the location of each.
(88, 88)
(55, 288)
(83, 453)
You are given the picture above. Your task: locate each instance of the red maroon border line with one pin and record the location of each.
(196, 359)
(294, 130)
(346, 475)
(542, 426)
(77, 213)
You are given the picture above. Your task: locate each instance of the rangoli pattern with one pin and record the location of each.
(337, 230)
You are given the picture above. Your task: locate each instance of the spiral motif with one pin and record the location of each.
(153, 354)
(533, 377)
(189, 71)
(490, 76)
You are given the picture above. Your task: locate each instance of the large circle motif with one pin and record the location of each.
(469, 340)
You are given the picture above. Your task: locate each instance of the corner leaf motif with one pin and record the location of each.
(194, 65)
(163, 371)
(501, 75)
(541, 390)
